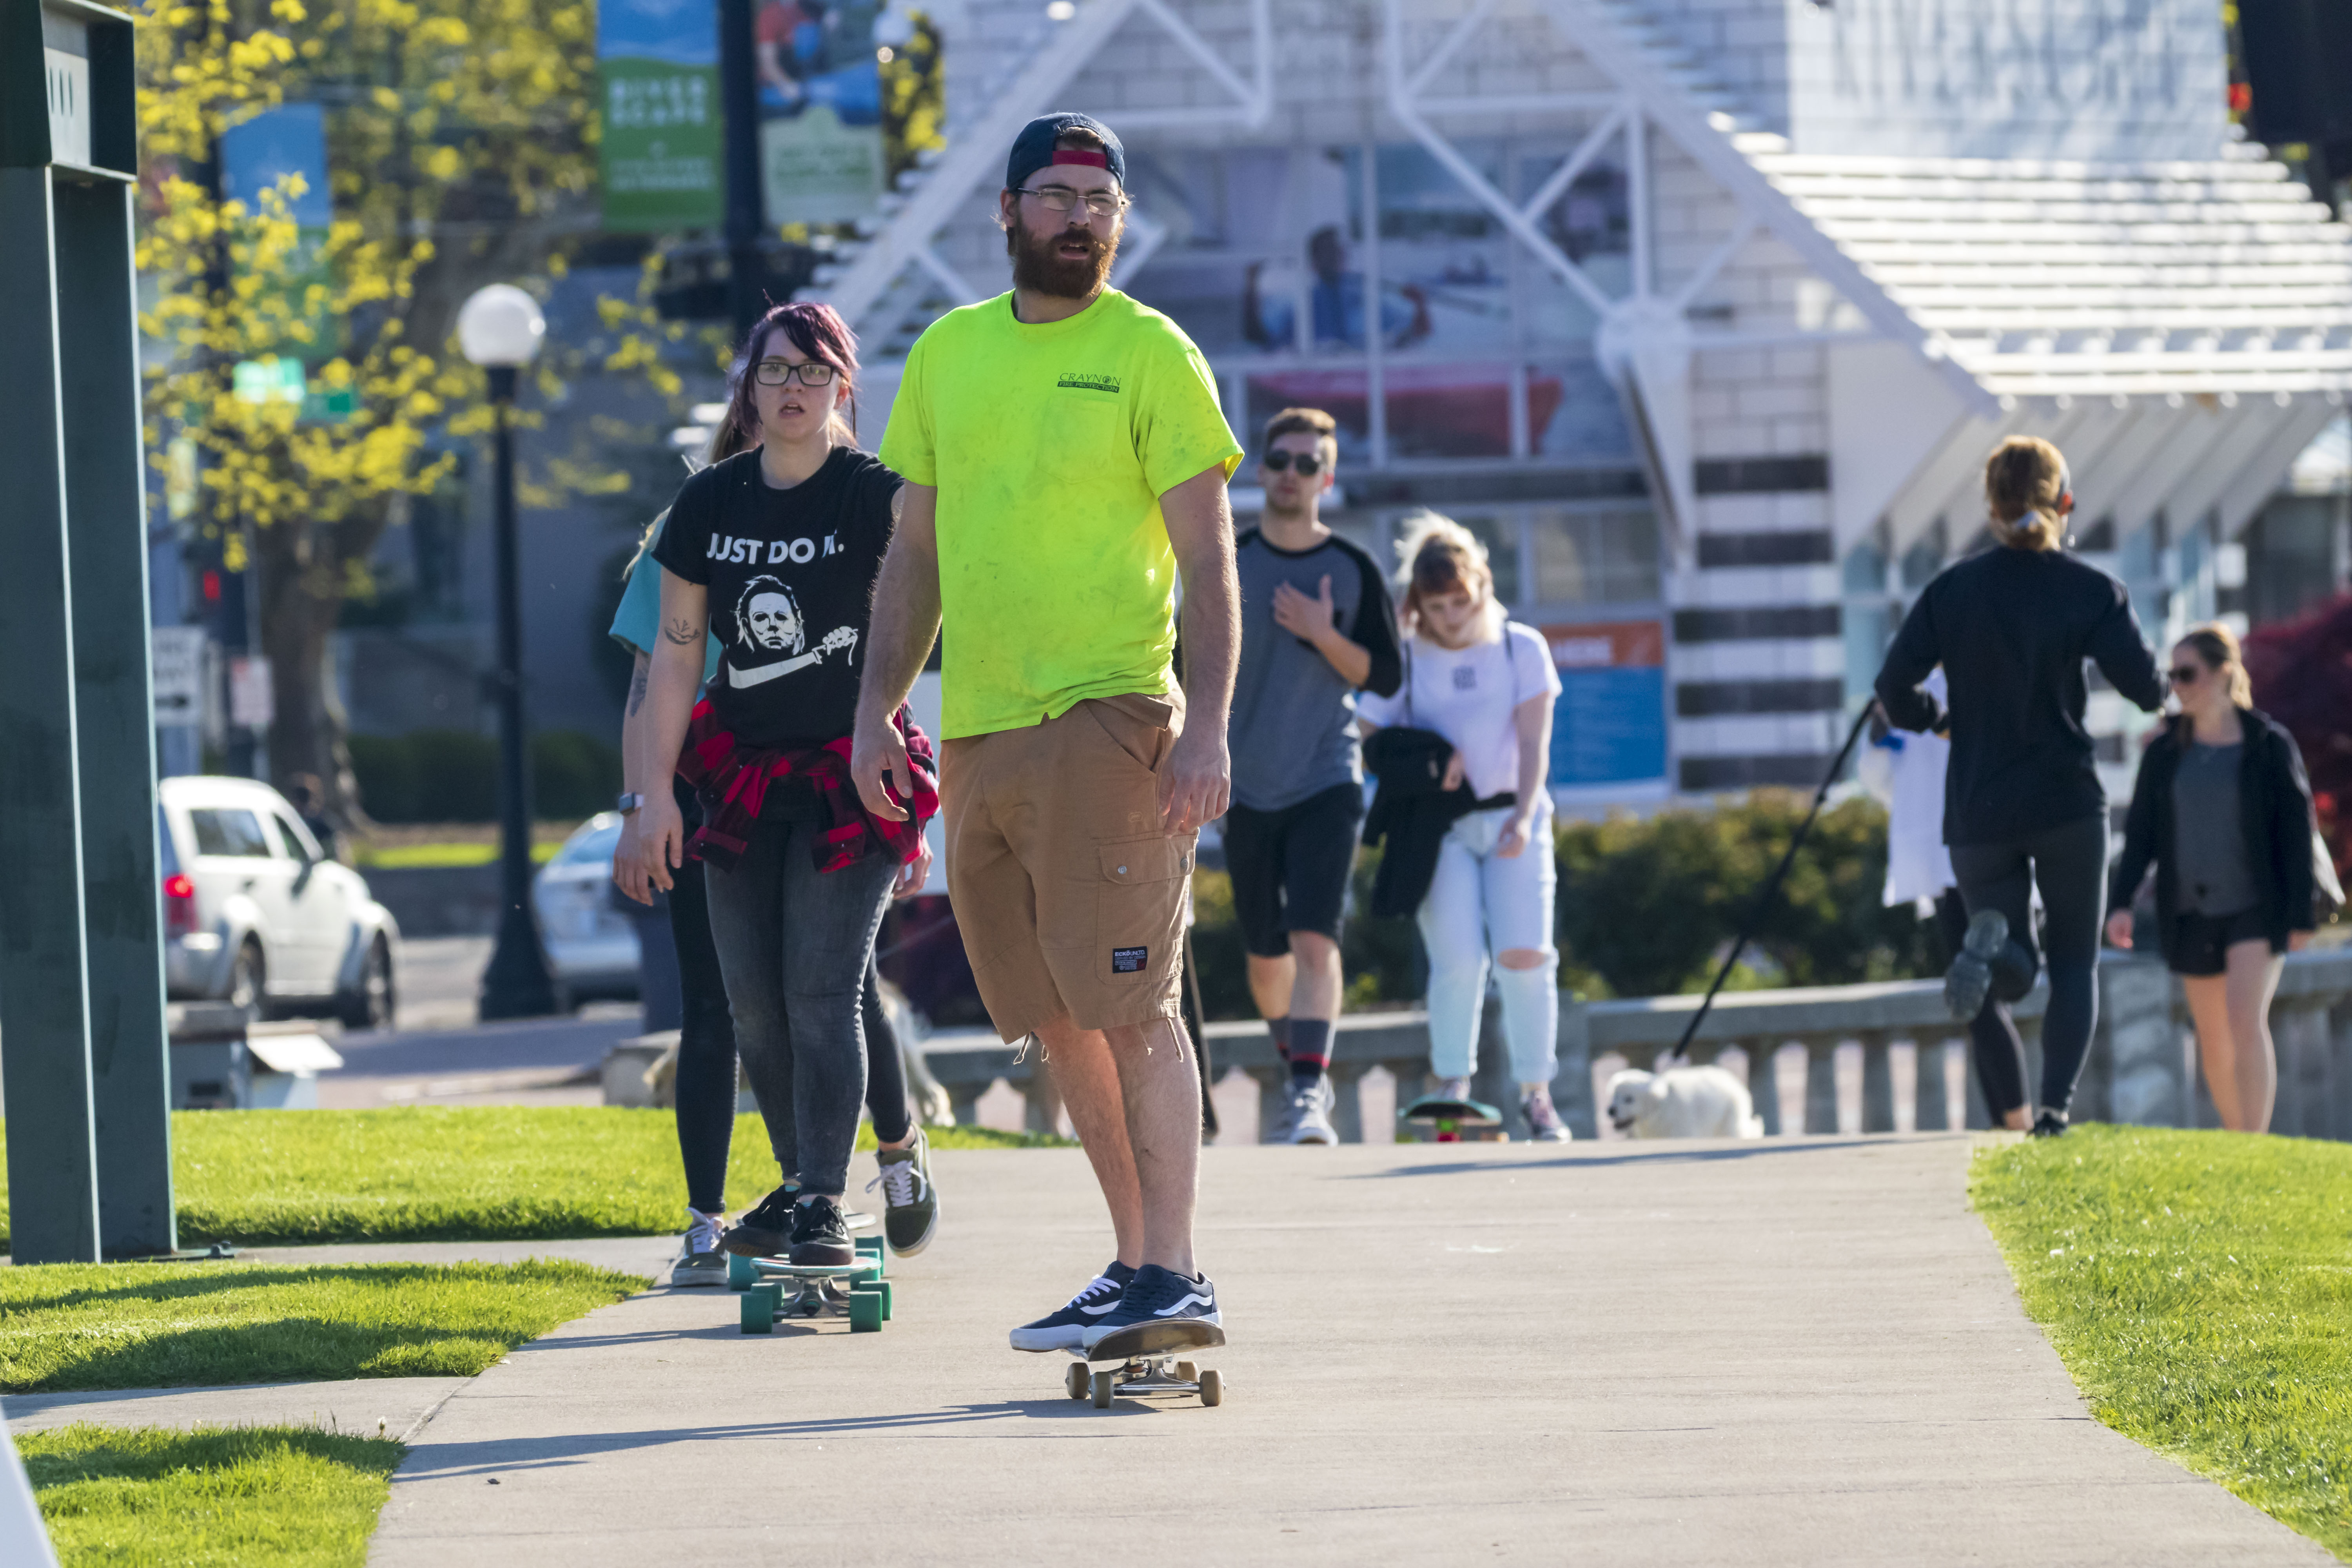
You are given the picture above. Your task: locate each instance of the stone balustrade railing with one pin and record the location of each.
(2141, 1068)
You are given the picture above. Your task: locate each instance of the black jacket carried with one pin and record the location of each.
(2012, 628)
(2274, 814)
(1411, 812)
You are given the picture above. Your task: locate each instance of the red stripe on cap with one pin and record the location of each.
(1079, 155)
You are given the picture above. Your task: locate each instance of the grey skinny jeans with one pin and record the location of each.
(794, 946)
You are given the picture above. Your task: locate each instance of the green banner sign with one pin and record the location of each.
(821, 157)
(661, 155)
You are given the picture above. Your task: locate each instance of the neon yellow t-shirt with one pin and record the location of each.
(1050, 445)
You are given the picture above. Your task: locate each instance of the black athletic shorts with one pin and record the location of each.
(2201, 943)
(1290, 867)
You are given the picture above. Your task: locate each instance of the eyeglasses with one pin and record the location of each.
(782, 372)
(2185, 674)
(1307, 464)
(1061, 199)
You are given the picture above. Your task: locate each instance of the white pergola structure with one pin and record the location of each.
(1862, 245)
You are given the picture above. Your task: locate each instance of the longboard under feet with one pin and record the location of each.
(1143, 1364)
(774, 1289)
(1449, 1117)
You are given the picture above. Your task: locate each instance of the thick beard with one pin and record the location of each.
(1037, 270)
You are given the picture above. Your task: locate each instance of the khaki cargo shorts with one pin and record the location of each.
(1069, 897)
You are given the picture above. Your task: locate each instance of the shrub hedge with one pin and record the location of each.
(452, 775)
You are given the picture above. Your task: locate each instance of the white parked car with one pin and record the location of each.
(591, 946)
(257, 916)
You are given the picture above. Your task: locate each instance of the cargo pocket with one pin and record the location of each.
(1140, 915)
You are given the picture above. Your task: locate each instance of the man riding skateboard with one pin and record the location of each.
(1065, 460)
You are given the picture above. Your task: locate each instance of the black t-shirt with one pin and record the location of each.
(790, 575)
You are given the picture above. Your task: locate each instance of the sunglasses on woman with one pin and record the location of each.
(1281, 462)
(782, 372)
(2185, 674)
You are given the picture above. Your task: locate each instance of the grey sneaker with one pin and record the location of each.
(1544, 1125)
(910, 1211)
(1306, 1119)
(1452, 1089)
(701, 1260)
(1969, 980)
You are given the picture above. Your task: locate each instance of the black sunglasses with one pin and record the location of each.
(1280, 462)
(2185, 674)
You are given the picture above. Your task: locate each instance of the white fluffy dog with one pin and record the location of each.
(1682, 1102)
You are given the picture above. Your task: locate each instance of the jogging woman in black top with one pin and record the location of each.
(2022, 803)
(2223, 809)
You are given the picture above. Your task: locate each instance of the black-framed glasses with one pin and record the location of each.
(1307, 464)
(782, 372)
(1061, 199)
(2185, 674)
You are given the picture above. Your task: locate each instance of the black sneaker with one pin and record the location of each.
(1066, 1329)
(766, 1230)
(819, 1233)
(1157, 1295)
(1969, 980)
(2050, 1124)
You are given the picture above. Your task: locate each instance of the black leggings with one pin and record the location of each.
(1992, 1034)
(706, 1044)
(2069, 864)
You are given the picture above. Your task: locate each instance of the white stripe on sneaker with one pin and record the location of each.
(1208, 1301)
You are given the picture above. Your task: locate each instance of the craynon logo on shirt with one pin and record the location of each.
(1087, 381)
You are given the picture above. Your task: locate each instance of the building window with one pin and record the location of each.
(1594, 557)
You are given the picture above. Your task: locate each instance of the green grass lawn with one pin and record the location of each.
(255, 1496)
(153, 1325)
(2199, 1288)
(458, 1173)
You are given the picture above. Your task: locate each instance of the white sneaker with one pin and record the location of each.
(1307, 1118)
(701, 1261)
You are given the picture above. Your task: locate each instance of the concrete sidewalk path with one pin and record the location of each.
(1789, 1352)
(354, 1407)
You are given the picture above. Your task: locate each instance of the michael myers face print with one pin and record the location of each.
(768, 618)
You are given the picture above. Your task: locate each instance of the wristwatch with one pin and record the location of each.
(628, 803)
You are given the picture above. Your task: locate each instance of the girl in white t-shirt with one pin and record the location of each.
(1487, 685)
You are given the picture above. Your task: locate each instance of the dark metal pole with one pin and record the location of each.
(114, 719)
(44, 978)
(517, 983)
(739, 112)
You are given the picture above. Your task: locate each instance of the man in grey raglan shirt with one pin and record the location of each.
(1318, 626)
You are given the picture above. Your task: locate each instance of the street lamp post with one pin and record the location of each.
(499, 329)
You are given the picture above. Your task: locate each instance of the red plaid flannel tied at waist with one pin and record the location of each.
(732, 783)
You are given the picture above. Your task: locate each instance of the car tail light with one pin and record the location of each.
(179, 904)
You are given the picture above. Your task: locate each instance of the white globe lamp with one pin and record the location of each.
(500, 327)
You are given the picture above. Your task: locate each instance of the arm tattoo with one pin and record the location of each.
(637, 685)
(681, 631)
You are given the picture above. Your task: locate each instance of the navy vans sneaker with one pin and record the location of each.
(1157, 1295)
(1969, 979)
(1066, 1329)
(766, 1230)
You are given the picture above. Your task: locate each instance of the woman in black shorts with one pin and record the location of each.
(2223, 809)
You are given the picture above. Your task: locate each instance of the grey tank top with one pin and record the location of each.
(2208, 840)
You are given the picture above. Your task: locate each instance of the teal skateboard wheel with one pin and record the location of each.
(876, 1288)
(865, 1312)
(741, 1274)
(869, 1250)
(759, 1309)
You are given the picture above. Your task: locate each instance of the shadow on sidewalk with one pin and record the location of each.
(430, 1459)
(1673, 1154)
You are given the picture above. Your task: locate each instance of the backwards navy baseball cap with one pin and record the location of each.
(1034, 149)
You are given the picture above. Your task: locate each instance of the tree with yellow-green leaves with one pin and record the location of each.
(462, 151)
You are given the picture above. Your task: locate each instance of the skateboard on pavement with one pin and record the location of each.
(1144, 1363)
(1450, 1119)
(774, 1289)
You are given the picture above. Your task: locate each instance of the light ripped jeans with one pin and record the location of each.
(1481, 903)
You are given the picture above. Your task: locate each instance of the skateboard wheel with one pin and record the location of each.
(1212, 1387)
(1187, 1372)
(1102, 1386)
(865, 1313)
(879, 1289)
(870, 1250)
(1074, 1379)
(759, 1309)
(740, 1275)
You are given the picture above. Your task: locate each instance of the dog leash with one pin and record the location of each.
(1681, 1053)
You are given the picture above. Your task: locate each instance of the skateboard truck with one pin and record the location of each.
(1143, 1364)
(1449, 1118)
